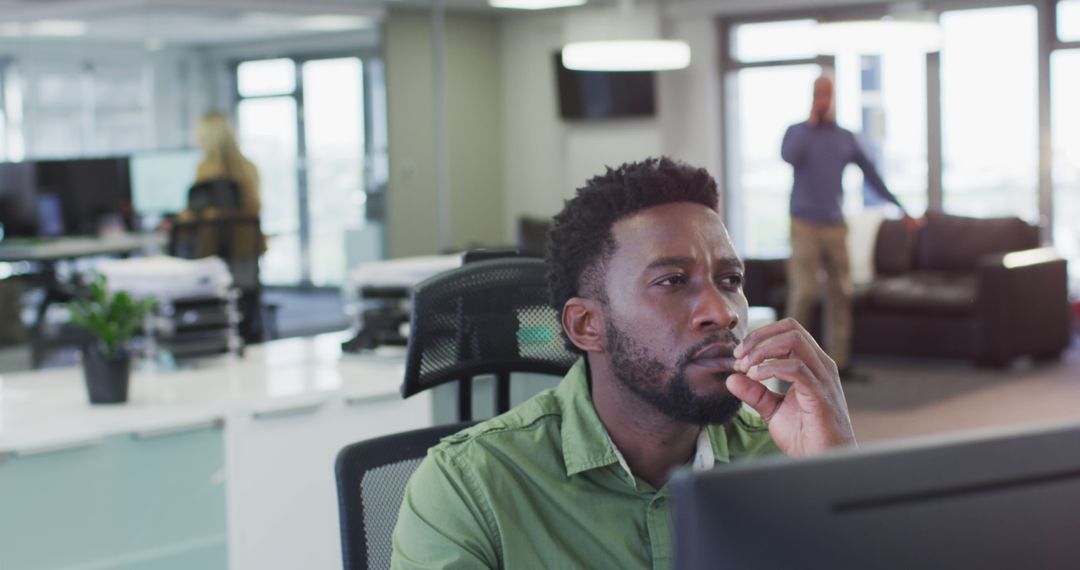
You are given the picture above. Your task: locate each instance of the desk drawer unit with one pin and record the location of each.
(131, 501)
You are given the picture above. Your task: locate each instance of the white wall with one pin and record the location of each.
(474, 123)
(547, 158)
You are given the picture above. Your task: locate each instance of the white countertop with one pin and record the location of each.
(49, 409)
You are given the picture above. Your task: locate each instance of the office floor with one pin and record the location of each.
(908, 397)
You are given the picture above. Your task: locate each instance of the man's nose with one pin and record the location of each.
(714, 310)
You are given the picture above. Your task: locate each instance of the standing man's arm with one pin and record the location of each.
(795, 143)
(872, 176)
(443, 521)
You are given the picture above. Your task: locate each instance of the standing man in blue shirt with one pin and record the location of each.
(819, 150)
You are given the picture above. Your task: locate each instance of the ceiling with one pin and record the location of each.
(157, 23)
(160, 23)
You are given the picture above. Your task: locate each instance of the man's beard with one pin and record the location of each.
(643, 374)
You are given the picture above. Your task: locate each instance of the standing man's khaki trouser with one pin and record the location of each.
(817, 249)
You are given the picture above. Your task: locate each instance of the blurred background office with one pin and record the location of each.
(382, 131)
(392, 130)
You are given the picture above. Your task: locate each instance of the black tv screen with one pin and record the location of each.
(87, 189)
(17, 210)
(590, 95)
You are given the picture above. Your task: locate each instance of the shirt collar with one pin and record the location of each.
(585, 442)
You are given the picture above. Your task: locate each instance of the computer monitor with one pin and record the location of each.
(160, 180)
(18, 215)
(90, 190)
(1008, 500)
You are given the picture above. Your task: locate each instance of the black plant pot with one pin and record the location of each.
(106, 376)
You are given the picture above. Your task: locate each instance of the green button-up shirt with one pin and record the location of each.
(542, 486)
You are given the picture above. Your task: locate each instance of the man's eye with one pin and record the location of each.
(672, 280)
(732, 281)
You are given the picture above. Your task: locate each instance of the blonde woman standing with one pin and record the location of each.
(223, 159)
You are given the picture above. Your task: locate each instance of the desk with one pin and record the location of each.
(61, 248)
(49, 251)
(228, 464)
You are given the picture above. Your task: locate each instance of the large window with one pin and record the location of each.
(989, 110)
(302, 122)
(1068, 20)
(763, 181)
(267, 131)
(880, 95)
(952, 118)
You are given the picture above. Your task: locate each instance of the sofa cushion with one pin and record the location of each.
(955, 243)
(925, 291)
(894, 248)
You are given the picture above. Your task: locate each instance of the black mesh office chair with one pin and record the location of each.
(219, 193)
(214, 227)
(489, 317)
(371, 478)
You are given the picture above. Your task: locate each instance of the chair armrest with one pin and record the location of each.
(1022, 305)
(1021, 258)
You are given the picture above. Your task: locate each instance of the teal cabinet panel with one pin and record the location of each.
(130, 502)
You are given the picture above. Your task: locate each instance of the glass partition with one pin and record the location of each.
(989, 110)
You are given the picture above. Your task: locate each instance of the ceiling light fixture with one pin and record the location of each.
(334, 22)
(534, 4)
(631, 41)
(57, 28)
(626, 55)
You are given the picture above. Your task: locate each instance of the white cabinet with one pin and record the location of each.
(140, 485)
(281, 487)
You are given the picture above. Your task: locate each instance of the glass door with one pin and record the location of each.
(267, 128)
(334, 148)
(303, 123)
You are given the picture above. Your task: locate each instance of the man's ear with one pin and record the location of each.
(583, 321)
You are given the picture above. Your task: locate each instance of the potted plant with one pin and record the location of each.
(112, 318)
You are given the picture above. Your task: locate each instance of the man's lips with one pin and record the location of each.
(715, 356)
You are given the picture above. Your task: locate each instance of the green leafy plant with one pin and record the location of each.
(112, 318)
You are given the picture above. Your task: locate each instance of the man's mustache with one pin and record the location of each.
(728, 337)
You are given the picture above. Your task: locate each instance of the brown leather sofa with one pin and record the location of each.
(957, 287)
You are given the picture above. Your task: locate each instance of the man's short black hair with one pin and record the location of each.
(580, 241)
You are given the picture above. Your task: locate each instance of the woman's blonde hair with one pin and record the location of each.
(215, 136)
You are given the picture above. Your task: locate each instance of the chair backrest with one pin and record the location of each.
(489, 317)
(236, 239)
(371, 478)
(219, 193)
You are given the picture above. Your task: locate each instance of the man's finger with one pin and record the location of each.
(757, 336)
(790, 370)
(754, 394)
(791, 344)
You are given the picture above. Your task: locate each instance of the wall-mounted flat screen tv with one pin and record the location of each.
(598, 95)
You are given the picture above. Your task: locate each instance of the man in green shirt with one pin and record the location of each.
(650, 291)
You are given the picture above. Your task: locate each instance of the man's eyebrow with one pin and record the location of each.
(731, 262)
(676, 261)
